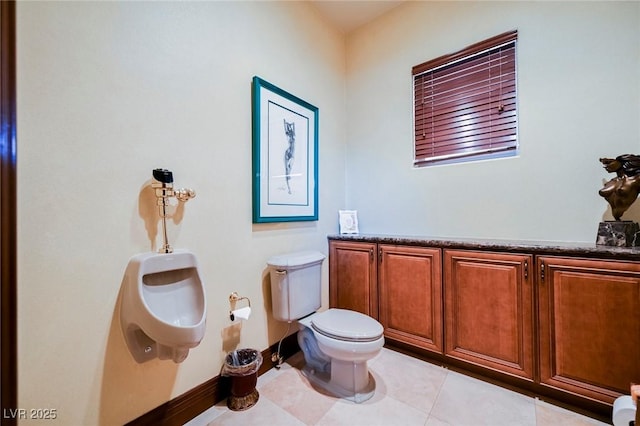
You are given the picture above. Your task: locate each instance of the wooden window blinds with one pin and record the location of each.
(465, 102)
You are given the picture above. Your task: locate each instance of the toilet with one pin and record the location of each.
(336, 343)
(163, 306)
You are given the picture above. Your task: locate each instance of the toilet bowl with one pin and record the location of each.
(163, 306)
(347, 339)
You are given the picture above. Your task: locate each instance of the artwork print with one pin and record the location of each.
(290, 152)
(288, 158)
(285, 165)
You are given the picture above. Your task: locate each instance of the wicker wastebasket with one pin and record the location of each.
(241, 366)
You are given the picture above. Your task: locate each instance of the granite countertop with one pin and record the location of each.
(536, 247)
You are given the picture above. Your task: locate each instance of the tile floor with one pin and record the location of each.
(408, 392)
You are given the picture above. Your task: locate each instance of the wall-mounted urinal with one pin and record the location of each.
(163, 306)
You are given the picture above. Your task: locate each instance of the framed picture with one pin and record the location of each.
(285, 155)
(348, 221)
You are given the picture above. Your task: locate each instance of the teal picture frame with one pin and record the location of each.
(284, 154)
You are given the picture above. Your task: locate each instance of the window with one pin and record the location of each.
(465, 103)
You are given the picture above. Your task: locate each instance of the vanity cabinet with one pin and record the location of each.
(558, 321)
(489, 310)
(589, 311)
(410, 295)
(353, 282)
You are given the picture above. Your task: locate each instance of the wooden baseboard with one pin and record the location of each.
(185, 407)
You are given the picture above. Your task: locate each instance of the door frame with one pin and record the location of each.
(8, 215)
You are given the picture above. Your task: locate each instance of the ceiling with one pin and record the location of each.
(349, 15)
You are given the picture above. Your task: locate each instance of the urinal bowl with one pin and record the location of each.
(163, 306)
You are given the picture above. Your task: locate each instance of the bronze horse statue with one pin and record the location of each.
(621, 191)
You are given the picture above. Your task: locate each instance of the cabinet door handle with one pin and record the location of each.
(526, 269)
(371, 254)
(542, 271)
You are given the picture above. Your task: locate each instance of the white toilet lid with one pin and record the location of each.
(343, 324)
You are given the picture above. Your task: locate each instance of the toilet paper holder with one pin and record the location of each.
(233, 299)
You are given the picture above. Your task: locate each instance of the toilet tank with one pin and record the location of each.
(296, 281)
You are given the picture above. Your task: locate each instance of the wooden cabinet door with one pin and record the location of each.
(410, 287)
(352, 277)
(488, 310)
(589, 317)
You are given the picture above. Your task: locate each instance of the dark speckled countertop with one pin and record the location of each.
(557, 248)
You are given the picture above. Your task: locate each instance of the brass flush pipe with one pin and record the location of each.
(163, 185)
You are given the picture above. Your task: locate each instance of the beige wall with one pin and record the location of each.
(579, 100)
(107, 92)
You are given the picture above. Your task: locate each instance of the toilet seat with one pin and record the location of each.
(346, 325)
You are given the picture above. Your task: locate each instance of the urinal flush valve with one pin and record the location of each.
(163, 185)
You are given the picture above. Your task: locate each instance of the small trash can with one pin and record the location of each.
(241, 366)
